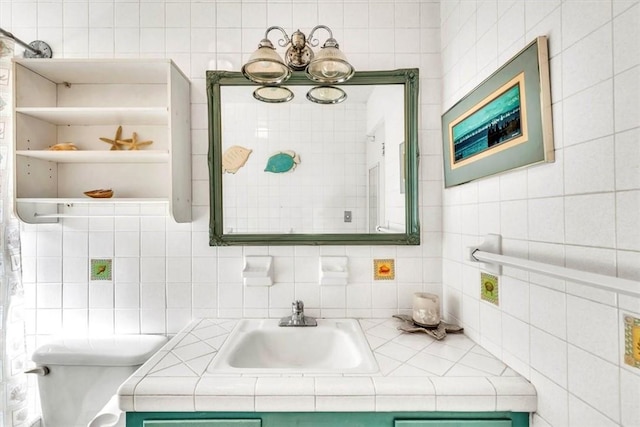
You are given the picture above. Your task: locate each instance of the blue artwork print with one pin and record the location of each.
(497, 122)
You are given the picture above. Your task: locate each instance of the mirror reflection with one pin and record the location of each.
(311, 173)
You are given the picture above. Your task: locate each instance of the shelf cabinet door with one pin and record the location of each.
(203, 423)
(452, 423)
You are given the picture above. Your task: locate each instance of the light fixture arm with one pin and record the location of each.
(286, 40)
(315, 42)
(282, 42)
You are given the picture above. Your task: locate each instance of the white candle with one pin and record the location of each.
(426, 309)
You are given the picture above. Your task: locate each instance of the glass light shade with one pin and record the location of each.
(266, 67)
(330, 66)
(273, 94)
(326, 95)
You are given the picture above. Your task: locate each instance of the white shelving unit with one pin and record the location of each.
(81, 100)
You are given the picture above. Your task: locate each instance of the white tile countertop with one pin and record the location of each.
(417, 373)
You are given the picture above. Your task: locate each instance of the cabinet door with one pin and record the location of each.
(202, 423)
(452, 423)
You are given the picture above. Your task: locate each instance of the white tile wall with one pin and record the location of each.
(580, 212)
(627, 160)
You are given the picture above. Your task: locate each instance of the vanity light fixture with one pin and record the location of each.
(328, 66)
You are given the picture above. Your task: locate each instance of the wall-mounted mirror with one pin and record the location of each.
(308, 173)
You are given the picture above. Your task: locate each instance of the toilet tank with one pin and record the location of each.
(85, 372)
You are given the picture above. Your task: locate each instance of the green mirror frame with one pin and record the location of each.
(409, 78)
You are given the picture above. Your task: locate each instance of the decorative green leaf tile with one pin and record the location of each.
(632, 341)
(101, 269)
(489, 288)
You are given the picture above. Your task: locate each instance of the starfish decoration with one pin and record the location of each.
(116, 141)
(133, 143)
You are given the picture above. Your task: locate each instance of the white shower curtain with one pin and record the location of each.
(13, 394)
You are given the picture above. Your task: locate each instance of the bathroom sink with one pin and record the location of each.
(261, 346)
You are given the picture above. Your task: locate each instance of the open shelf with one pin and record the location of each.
(34, 210)
(100, 71)
(89, 200)
(86, 156)
(97, 116)
(82, 100)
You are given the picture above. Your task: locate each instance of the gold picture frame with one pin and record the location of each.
(504, 123)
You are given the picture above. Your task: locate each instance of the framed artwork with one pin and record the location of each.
(504, 123)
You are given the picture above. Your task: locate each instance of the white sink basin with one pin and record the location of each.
(261, 346)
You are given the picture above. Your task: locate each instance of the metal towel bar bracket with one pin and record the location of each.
(492, 243)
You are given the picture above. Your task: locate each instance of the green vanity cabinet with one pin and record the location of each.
(202, 423)
(453, 423)
(327, 419)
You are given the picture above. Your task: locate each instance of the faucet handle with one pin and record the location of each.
(297, 317)
(297, 306)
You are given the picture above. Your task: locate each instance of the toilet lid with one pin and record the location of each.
(116, 350)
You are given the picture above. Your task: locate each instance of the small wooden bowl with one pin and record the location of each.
(63, 146)
(99, 194)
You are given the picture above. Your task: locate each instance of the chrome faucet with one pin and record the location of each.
(297, 317)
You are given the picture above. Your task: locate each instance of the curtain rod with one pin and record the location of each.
(490, 253)
(35, 49)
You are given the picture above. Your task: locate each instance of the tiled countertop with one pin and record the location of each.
(417, 373)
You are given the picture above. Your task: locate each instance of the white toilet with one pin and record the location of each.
(78, 376)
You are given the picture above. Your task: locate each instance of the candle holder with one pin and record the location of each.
(426, 309)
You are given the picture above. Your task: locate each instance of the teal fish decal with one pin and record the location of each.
(282, 161)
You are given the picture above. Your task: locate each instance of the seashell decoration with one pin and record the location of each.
(63, 146)
(234, 158)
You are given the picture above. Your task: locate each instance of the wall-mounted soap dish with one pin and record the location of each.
(334, 270)
(257, 271)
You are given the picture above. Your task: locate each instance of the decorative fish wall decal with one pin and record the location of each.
(282, 161)
(234, 158)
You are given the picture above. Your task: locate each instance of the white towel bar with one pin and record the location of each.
(490, 252)
(390, 229)
(57, 215)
